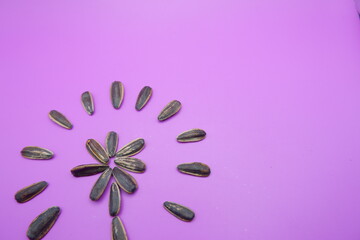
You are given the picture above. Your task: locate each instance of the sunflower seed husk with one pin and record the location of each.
(131, 164)
(195, 169)
(117, 94)
(170, 110)
(193, 135)
(112, 139)
(88, 170)
(87, 102)
(100, 185)
(42, 224)
(125, 180)
(37, 153)
(60, 119)
(29, 192)
(97, 151)
(179, 211)
(143, 98)
(115, 200)
(131, 148)
(118, 230)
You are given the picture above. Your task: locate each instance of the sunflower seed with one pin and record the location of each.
(118, 230)
(117, 94)
(193, 135)
(115, 200)
(124, 180)
(88, 169)
(87, 102)
(60, 119)
(42, 224)
(131, 148)
(131, 164)
(143, 98)
(37, 153)
(112, 143)
(179, 211)
(100, 185)
(29, 192)
(195, 169)
(170, 110)
(97, 151)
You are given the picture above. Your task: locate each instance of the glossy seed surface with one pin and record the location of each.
(87, 102)
(193, 135)
(100, 185)
(195, 169)
(143, 98)
(97, 151)
(112, 140)
(88, 170)
(60, 119)
(125, 180)
(131, 148)
(29, 192)
(37, 153)
(131, 164)
(115, 200)
(170, 110)
(118, 229)
(117, 94)
(179, 211)
(42, 224)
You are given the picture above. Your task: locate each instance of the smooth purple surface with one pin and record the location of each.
(274, 83)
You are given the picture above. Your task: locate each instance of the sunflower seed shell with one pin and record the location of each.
(125, 180)
(193, 135)
(118, 230)
(131, 148)
(37, 153)
(88, 170)
(117, 94)
(60, 119)
(87, 102)
(195, 169)
(115, 200)
(131, 164)
(42, 224)
(29, 192)
(97, 151)
(100, 185)
(143, 98)
(170, 110)
(179, 211)
(112, 143)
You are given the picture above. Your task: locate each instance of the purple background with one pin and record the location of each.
(274, 83)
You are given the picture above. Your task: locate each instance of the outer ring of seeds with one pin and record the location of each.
(192, 135)
(60, 119)
(87, 102)
(27, 193)
(182, 211)
(36, 153)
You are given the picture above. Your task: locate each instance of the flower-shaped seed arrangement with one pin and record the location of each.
(42, 224)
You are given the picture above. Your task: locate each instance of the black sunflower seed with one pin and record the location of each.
(117, 94)
(37, 153)
(193, 135)
(29, 192)
(87, 102)
(131, 148)
(118, 230)
(131, 164)
(143, 98)
(60, 119)
(42, 224)
(88, 169)
(115, 200)
(195, 169)
(170, 110)
(100, 185)
(97, 151)
(112, 143)
(179, 211)
(125, 180)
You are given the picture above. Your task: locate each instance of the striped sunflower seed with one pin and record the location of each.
(100, 185)
(193, 135)
(88, 170)
(170, 110)
(37, 153)
(60, 119)
(179, 211)
(97, 151)
(87, 102)
(29, 192)
(115, 200)
(42, 224)
(195, 169)
(118, 230)
(117, 94)
(112, 143)
(143, 98)
(131, 164)
(131, 148)
(125, 180)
